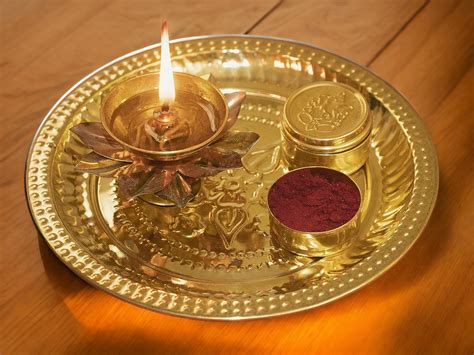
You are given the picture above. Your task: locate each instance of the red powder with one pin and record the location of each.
(314, 199)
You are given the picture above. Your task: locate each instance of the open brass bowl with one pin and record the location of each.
(321, 243)
(140, 96)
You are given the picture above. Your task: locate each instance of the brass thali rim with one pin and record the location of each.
(47, 224)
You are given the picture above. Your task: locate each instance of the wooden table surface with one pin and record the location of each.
(422, 305)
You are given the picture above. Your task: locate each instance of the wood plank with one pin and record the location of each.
(352, 28)
(70, 39)
(428, 59)
(422, 305)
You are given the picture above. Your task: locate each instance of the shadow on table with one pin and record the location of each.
(64, 281)
(124, 331)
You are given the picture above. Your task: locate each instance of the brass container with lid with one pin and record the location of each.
(326, 124)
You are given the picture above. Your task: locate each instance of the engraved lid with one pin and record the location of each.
(326, 116)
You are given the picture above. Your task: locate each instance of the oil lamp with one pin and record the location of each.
(164, 131)
(165, 115)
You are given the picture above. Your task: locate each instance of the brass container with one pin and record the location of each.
(141, 93)
(316, 244)
(326, 124)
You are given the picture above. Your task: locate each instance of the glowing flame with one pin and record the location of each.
(167, 90)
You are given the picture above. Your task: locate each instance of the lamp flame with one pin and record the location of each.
(166, 86)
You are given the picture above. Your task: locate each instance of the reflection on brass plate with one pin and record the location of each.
(215, 258)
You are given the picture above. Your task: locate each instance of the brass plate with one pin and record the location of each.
(215, 259)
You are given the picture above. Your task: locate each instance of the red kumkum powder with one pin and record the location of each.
(314, 199)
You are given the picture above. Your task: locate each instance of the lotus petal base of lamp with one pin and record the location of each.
(156, 200)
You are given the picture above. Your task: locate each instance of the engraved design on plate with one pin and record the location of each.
(325, 112)
(226, 225)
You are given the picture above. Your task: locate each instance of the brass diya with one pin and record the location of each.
(216, 258)
(201, 109)
(161, 133)
(188, 141)
(161, 156)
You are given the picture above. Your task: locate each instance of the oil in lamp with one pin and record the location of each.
(160, 133)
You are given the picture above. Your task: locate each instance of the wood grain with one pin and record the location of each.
(430, 57)
(352, 28)
(422, 305)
